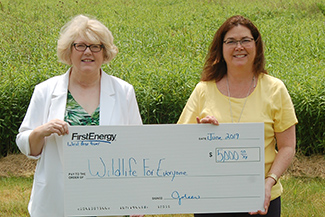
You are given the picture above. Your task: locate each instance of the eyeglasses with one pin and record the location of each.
(93, 47)
(245, 42)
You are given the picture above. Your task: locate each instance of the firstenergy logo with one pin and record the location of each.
(91, 138)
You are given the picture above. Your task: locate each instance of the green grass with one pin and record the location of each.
(14, 196)
(303, 197)
(162, 46)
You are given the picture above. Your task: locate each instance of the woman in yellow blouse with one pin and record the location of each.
(235, 87)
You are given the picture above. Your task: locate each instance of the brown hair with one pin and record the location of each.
(215, 66)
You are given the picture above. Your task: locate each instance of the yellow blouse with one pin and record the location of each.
(270, 103)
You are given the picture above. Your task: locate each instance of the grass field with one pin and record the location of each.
(162, 44)
(15, 192)
(302, 197)
(303, 183)
(162, 47)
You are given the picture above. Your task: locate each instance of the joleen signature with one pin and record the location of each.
(176, 195)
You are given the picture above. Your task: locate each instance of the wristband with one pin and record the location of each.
(273, 176)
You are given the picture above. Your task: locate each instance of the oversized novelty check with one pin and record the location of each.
(164, 169)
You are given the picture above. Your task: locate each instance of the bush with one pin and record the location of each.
(310, 109)
(162, 46)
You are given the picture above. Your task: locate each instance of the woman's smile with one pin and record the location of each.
(240, 55)
(87, 60)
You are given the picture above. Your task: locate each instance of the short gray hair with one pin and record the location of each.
(89, 29)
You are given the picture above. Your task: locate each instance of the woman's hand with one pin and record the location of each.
(286, 143)
(54, 126)
(269, 182)
(37, 136)
(207, 120)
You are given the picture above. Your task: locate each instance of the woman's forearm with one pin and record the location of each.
(286, 142)
(36, 142)
(38, 135)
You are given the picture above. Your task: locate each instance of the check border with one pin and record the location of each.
(167, 169)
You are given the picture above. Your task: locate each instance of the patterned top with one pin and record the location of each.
(76, 115)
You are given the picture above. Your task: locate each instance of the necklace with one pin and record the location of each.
(250, 87)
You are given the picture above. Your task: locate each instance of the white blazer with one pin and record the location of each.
(118, 106)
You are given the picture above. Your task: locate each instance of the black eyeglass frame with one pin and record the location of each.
(240, 41)
(88, 46)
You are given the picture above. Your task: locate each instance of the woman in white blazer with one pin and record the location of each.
(85, 44)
